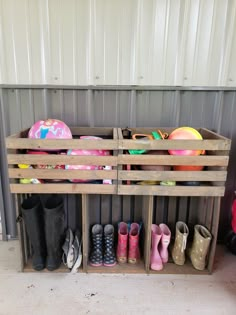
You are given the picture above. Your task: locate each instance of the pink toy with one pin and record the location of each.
(50, 129)
(88, 153)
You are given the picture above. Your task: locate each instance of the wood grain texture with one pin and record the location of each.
(171, 190)
(65, 188)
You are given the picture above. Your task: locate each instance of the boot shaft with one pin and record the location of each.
(96, 253)
(54, 219)
(200, 246)
(32, 213)
(134, 252)
(122, 246)
(178, 251)
(165, 241)
(109, 258)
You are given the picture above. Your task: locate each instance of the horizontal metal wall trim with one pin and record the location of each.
(117, 88)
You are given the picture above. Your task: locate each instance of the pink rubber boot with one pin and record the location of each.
(156, 261)
(122, 247)
(165, 241)
(134, 253)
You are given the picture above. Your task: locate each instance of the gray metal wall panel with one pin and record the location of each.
(215, 110)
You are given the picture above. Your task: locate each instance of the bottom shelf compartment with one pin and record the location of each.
(84, 211)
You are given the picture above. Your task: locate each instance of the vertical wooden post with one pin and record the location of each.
(147, 218)
(85, 230)
(214, 232)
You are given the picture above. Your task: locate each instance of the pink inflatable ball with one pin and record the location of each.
(50, 129)
(185, 133)
(84, 152)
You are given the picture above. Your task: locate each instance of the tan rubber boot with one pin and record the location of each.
(199, 250)
(178, 251)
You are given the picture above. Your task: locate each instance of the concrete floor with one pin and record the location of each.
(59, 293)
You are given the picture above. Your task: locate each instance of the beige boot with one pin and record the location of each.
(178, 251)
(199, 250)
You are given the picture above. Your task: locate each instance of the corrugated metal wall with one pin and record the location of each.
(215, 110)
(125, 42)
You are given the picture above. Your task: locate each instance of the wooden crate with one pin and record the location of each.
(212, 178)
(19, 143)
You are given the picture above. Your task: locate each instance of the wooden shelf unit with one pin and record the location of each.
(128, 202)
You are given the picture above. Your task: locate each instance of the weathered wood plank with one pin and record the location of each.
(61, 144)
(173, 175)
(61, 174)
(173, 160)
(215, 144)
(55, 159)
(171, 190)
(65, 188)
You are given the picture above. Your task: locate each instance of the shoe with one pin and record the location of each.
(122, 247)
(134, 252)
(164, 243)
(32, 213)
(54, 231)
(156, 261)
(96, 256)
(109, 259)
(68, 249)
(77, 247)
(200, 246)
(178, 251)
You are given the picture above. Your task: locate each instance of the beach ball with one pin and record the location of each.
(185, 133)
(50, 129)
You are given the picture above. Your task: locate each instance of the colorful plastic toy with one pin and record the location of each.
(50, 129)
(185, 133)
(84, 152)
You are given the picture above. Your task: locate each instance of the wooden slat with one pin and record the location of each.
(175, 144)
(61, 174)
(209, 134)
(171, 190)
(64, 188)
(92, 131)
(173, 160)
(186, 269)
(52, 159)
(119, 268)
(173, 175)
(61, 144)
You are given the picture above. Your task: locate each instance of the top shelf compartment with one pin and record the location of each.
(140, 174)
(50, 167)
(129, 174)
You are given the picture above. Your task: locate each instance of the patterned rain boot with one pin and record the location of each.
(122, 247)
(178, 251)
(134, 253)
(109, 259)
(199, 250)
(165, 241)
(156, 262)
(96, 256)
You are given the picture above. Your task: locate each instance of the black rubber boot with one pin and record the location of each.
(54, 231)
(32, 213)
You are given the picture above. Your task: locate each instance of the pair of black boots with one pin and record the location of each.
(45, 226)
